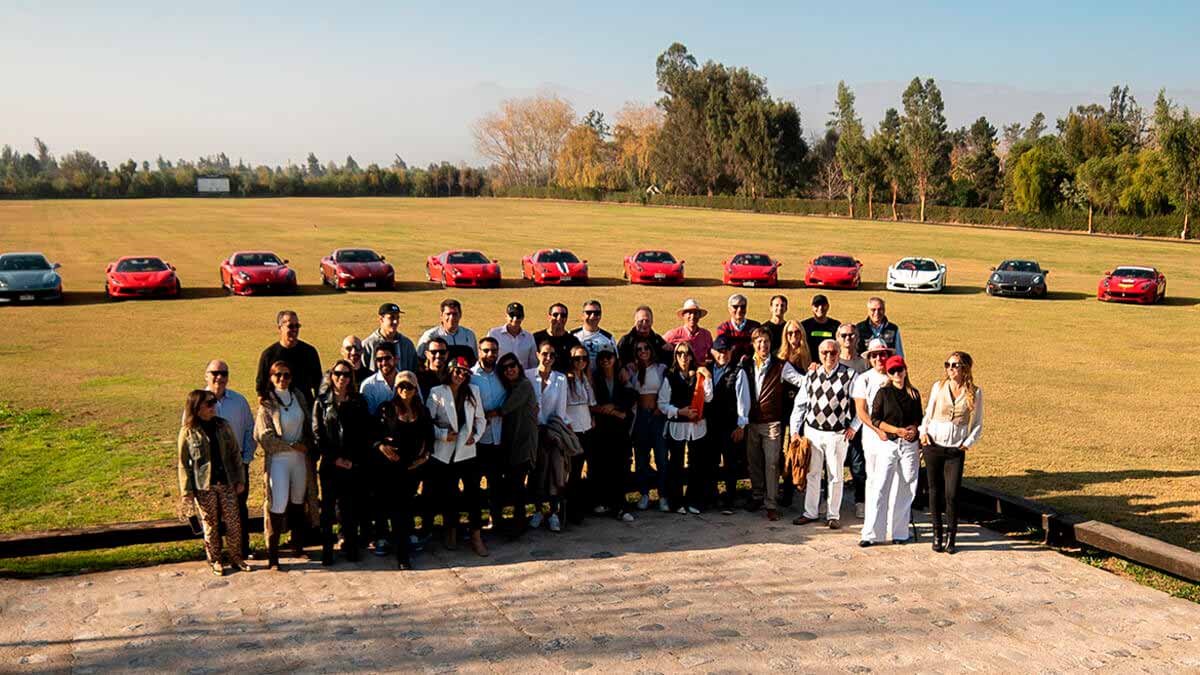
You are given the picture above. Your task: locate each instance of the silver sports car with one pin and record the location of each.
(28, 277)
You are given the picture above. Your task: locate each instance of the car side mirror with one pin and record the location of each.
(1108, 273)
(1045, 271)
(382, 258)
(108, 269)
(858, 262)
(991, 269)
(585, 261)
(724, 262)
(496, 260)
(56, 265)
(682, 261)
(778, 264)
(171, 266)
(285, 261)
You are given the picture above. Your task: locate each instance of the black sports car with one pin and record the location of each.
(1023, 278)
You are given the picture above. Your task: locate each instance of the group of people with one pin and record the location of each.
(551, 422)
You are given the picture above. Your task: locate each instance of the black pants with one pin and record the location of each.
(608, 463)
(678, 476)
(454, 502)
(340, 494)
(857, 461)
(491, 467)
(393, 505)
(732, 457)
(580, 493)
(509, 490)
(244, 511)
(944, 467)
(427, 503)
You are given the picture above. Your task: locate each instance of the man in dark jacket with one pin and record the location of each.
(301, 356)
(643, 329)
(727, 417)
(877, 327)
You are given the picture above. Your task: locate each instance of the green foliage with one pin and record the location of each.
(924, 138)
(1038, 177)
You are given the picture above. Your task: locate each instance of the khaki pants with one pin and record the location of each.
(764, 443)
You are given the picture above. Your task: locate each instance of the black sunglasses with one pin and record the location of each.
(558, 315)
(405, 385)
(225, 373)
(954, 364)
(582, 357)
(282, 376)
(592, 312)
(341, 373)
(436, 352)
(893, 371)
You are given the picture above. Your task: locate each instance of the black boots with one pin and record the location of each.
(938, 547)
(950, 541)
(297, 524)
(278, 523)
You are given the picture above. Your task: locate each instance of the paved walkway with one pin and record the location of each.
(668, 593)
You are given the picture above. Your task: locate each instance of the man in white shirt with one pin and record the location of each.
(863, 393)
(512, 338)
(380, 387)
(234, 409)
(824, 412)
(591, 335)
(459, 339)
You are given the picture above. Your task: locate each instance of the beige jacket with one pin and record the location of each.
(268, 433)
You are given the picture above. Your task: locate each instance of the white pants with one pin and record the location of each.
(287, 480)
(828, 448)
(892, 468)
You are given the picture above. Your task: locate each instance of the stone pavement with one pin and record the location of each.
(668, 593)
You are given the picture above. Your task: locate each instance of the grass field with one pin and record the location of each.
(1090, 407)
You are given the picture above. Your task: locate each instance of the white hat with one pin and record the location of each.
(690, 305)
(877, 345)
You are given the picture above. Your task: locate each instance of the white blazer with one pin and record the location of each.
(552, 401)
(445, 420)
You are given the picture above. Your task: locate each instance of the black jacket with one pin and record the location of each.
(896, 407)
(342, 430)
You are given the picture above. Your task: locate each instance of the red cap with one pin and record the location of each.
(461, 362)
(894, 362)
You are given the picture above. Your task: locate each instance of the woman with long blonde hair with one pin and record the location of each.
(953, 423)
(794, 350)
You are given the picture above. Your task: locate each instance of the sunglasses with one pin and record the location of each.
(405, 386)
(826, 352)
(742, 307)
(385, 357)
(683, 353)
(893, 371)
(846, 335)
(791, 332)
(643, 348)
(281, 376)
(557, 315)
(954, 364)
(579, 358)
(435, 352)
(459, 371)
(352, 348)
(878, 356)
(592, 312)
(225, 373)
(487, 351)
(210, 403)
(290, 326)
(341, 373)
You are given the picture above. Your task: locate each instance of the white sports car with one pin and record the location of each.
(921, 275)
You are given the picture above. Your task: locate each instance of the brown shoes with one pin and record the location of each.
(477, 544)
(803, 520)
(772, 515)
(834, 524)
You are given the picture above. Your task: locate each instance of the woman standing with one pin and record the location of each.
(645, 377)
(518, 438)
(550, 387)
(896, 413)
(458, 422)
(685, 426)
(210, 472)
(953, 422)
(284, 432)
(405, 441)
(580, 400)
(341, 426)
(608, 466)
(793, 350)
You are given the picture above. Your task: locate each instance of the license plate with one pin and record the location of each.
(369, 284)
(25, 298)
(748, 283)
(660, 275)
(565, 278)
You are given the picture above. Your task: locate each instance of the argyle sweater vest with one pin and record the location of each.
(830, 407)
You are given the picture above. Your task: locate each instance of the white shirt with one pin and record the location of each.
(522, 345)
(800, 406)
(580, 399)
(682, 431)
(291, 418)
(865, 387)
(789, 374)
(552, 400)
(377, 391)
(593, 342)
(953, 434)
(445, 420)
(654, 378)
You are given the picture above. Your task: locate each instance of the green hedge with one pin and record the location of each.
(1156, 226)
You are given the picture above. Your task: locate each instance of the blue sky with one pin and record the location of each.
(270, 83)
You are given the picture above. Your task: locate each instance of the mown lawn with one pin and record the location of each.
(1090, 407)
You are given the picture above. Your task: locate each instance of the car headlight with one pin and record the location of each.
(996, 278)
(457, 272)
(344, 274)
(3, 283)
(50, 278)
(1037, 281)
(243, 276)
(114, 281)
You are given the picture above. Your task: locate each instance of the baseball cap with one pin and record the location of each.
(515, 309)
(460, 362)
(389, 308)
(819, 299)
(722, 343)
(894, 362)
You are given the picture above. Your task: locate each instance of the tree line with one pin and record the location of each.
(716, 130)
(80, 174)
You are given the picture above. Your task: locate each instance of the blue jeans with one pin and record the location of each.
(647, 436)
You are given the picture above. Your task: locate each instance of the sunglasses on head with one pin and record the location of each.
(219, 373)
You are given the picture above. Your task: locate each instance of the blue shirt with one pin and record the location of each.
(377, 391)
(492, 391)
(233, 408)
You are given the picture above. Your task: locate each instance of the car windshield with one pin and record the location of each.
(467, 258)
(1133, 272)
(557, 257)
(655, 257)
(23, 263)
(141, 265)
(834, 261)
(256, 260)
(357, 255)
(917, 265)
(755, 259)
(1019, 266)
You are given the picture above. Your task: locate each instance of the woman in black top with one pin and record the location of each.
(405, 438)
(613, 450)
(342, 428)
(897, 412)
(518, 440)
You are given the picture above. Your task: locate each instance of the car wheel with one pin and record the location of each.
(178, 289)
(445, 280)
(108, 294)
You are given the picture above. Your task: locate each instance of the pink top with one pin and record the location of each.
(701, 341)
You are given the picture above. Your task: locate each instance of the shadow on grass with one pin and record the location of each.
(598, 282)
(1176, 301)
(962, 290)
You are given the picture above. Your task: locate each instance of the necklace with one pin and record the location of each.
(288, 405)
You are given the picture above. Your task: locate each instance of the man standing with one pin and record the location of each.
(558, 337)
(460, 339)
(727, 415)
(765, 374)
(380, 387)
(863, 393)
(512, 338)
(493, 463)
(824, 412)
(738, 328)
(433, 371)
(877, 327)
(847, 338)
(820, 326)
(301, 356)
(233, 408)
(690, 332)
(643, 329)
(352, 351)
(774, 325)
(388, 333)
(593, 338)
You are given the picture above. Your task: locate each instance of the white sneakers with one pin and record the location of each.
(664, 505)
(555, 525)
(643, 502)
(600, 510)
(860, 510)
(627, 517)
(536, 521)
(693, 510)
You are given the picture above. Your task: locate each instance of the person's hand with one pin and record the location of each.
(910, 433)
(451, 436)
(703, 370)
(471, 439)
(850, 433)
(420, 459)
(694, 415)
(683, 412)
(812, 367)
(343, 463)
(389, 452)
(240, 488)
(925, 440)
(737, 435)
(963, 448)
(882, 434)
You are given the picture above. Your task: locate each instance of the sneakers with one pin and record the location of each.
(554, 524)
(860, 510)
(600, 510)
(864, 543)
(693, 510)
(681, 511)
(381, 546)
(643, 502)
(664, 505)
(626, 517)
(536, 521)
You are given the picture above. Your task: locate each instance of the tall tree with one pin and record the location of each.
(1180, 141)
(923, 133)
(635, 134)
(852, 144)
(978, 166)
(888, 151)
(524, 137)
(314, 166)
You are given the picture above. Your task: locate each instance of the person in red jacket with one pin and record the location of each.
(738, 328)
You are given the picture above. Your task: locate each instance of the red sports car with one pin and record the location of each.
(751, 269)
(652, 267)
(357, 268)
(140, 277)
(1145, 285)
(834, 270)
(463, 268)
(251, 272)
(554, 266)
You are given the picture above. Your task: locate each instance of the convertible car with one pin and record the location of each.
(834, 270)
(751, 269)
(463, 268)
(652, 267)
(1018, 277)
(28, 277)
(921, 275)
(1145, 285)
(363, 268)
(140, 277)
(253, 272)
(554, 266)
